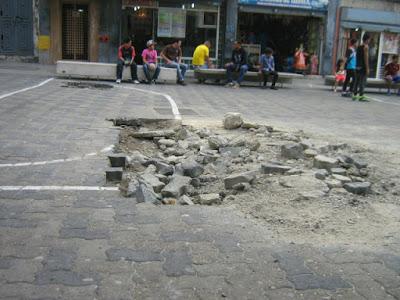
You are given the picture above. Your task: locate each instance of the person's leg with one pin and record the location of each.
(363, 82)
(356, 85)
(183, 68)
(157, 73)
(120, 68)
(134, 72)
(243, 71)
(229, 69)
(146, 72)
(174, 65)
(265, 75)
(389, 81)
(346, 81)
(274, 78)
(352, 74)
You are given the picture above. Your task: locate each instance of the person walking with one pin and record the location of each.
(238, 63)
(172, 56)
(126, 58)
(362, 69)
(267, 68)
(350, 68)
(149, 56)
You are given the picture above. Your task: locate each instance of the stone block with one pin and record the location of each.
(118, 160)
(114, 174)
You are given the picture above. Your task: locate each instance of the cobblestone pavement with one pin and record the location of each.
(97, 245)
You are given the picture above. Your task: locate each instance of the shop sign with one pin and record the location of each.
(171, 22)
(305, 4)
(391, 43)
(141, 3)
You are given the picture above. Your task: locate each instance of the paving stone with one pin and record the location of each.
(59, 259)
(312, 281)
(67, 278)
(274, 169)
(292, 151)
(383, 275)
(68, 233)
(184, 236)
(178, 263)
(6, 262)
(115, 254)
(18, 223)
(359, 188)
(76, 221)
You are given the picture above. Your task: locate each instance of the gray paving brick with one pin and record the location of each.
(178, 263)
(115, 254)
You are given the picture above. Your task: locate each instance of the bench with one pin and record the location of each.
(371, 82)
(105, 71)
(220, 74)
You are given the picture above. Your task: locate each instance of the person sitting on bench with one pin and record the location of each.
(172, 56)
(126, 57)
(238, 64)
(149, 56)
(267, 68)
(392, 75)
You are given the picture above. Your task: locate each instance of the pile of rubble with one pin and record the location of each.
(187, 165)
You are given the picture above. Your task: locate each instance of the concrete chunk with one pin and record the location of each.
(232, 120)
(234, 179)
(292, 151)
(152, 181)
(152, 134)
(145, 193)
(176, 187)
(191, 168)
(359, 188)
(274, 169)
(325, 162)
(209, 199)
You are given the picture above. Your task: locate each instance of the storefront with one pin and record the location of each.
(283, 25)
(382, 26)
(193, 22)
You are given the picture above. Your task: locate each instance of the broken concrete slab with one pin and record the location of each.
(144, 193)
(246, 177)
(292, 151)
(359, 188)
(152, 181)
(176, 187)
(271, 168)
(325, 162)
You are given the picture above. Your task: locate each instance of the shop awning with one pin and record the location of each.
(370, 20)
(289, 4)
(281, 11)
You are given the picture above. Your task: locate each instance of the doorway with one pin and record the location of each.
(75, 32)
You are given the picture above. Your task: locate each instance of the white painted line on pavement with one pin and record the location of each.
(56, 161)
(57, 188)
(381, 101)
(26, 89)
(174, 107)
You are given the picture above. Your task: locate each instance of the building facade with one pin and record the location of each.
(352, 19)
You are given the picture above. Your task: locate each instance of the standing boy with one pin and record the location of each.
(172, 56)
(391, 73)
(149, 56)
(267, 68)
(126, 57)
(238, 64)
(350, 68)
(362, 69)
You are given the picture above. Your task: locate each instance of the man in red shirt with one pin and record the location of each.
(391, 72)
(126, 57)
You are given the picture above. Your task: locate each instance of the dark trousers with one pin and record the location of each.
(147, 72)
(120, 69)
(361, 80)
(350, 77)
(266, 75)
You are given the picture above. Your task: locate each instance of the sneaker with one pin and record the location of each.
(229, 84)
(355, 98)
(181, 82)
(273, 88)
(154, 81)
(363, 98)
(136, 81)
(236, 85)
(118, 81)
(389, 92)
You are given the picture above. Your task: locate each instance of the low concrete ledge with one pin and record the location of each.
(105, 71)
(371, 82)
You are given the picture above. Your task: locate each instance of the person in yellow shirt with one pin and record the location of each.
(201, 56)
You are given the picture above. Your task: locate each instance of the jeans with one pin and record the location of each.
(120, 68)
(350, 75)
(230, 68)
(147, 72)
(361, 80)
(267, 73)
(180, 69)
(203, 67)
